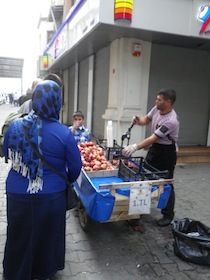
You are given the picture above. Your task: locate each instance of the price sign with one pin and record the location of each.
(140, 199)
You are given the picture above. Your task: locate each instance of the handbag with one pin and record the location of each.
(71, 196)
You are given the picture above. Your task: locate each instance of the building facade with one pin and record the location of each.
(115, 55)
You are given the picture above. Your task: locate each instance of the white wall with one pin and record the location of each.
(167, 16)
(128, 86)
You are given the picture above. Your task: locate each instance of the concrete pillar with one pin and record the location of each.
(76, 82)
(64, 111)
(128, 87)
(90, 92)
(208, 137)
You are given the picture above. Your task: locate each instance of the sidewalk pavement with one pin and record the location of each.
(117, 251)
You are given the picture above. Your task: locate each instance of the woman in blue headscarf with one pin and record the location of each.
(36, 204)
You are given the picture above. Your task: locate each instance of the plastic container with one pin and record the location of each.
(109, 131)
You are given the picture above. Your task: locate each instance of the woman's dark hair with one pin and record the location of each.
(54, 77)
(168, 94)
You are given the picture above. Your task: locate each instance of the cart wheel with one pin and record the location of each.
(84, 219)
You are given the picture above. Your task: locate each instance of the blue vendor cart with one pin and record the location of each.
(123, 193)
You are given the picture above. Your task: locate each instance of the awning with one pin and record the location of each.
(11, 67)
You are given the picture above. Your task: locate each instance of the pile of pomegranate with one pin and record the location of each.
(93, 158)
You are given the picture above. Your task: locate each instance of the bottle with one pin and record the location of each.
(109, 131)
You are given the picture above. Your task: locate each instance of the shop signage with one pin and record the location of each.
(45, 60)
(60, 43)
(123, 10)
(204, 17)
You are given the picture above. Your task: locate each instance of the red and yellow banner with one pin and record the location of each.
(123, 10)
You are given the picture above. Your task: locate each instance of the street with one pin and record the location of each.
(118, 250)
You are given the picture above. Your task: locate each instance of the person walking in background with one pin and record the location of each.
(80, 132)
(36, 200)
(26, 106)
(163, 151)
(11, 98)
(24, 97)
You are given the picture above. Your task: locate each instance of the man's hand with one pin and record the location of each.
(76, 124)
(136, 120)
(129, 150)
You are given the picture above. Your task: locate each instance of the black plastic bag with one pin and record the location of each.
(191, 241)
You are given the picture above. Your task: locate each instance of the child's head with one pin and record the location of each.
(78, 117)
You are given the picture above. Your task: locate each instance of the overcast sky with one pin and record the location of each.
(19, 35)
